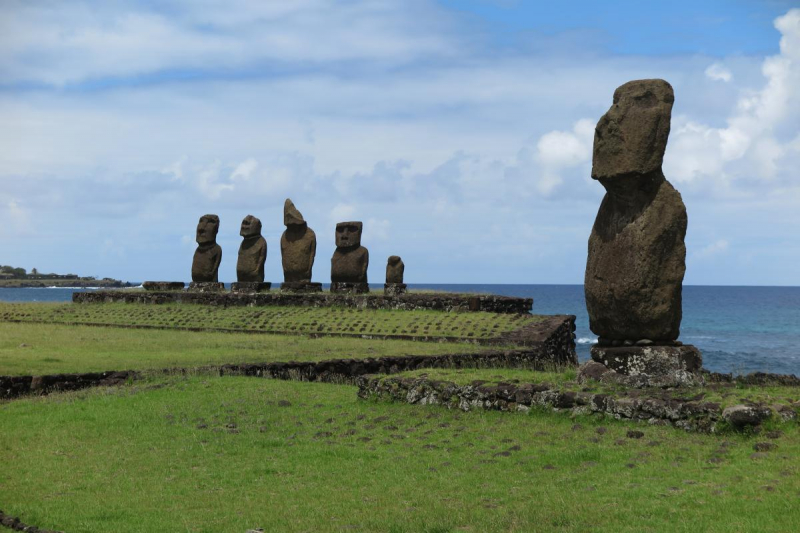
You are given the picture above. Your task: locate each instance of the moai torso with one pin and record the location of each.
(350, 260)
(394, 269)
(207, 257)
(298, 245)
(252, 251)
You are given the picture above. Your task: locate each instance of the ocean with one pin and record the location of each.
(738, 329)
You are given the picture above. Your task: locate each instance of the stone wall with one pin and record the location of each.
(666, 409)
(409, 302)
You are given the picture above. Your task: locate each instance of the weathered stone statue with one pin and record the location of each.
(350, 260)
(252, 252)
(252, 255)
(298, 249)
(394, 276)
(205, 266)
(636, 260)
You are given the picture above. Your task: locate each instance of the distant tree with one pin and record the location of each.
(19, 272)
(34, 272)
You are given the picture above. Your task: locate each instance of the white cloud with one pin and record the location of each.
(718, 72)
(711, 250)
(754, 144)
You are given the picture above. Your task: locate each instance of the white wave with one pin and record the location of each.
(586, 340)
(72, 288)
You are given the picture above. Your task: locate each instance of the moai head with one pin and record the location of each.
(251, 227)
(291, 216)
(348, 234)
(632, 136)
(207, 229)
(394, 260)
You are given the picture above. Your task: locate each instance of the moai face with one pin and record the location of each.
(632, 136)
(348, 234)
(251, 227)
(207, 229)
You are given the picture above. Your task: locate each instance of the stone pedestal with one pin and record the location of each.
(652, 360)
(251, 286)
(163, 285)
(394, 289)
(206, 286)
(301, 286)
(347, 287)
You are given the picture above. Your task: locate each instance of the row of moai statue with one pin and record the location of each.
(637, 256)
(298, 249)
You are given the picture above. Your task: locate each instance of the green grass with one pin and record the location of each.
(472, 325)
(51, 348)
(224, 455)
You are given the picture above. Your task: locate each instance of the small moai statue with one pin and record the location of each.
(252, 256)
(207, 257)
(636, 257)
(350, 260)
(394, 276)
(298, 250)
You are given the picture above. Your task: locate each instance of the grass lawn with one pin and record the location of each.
(224, 454)
(467, 325)
(52, 349)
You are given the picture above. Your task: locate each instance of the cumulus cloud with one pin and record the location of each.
(711, 250)
(756, 143)
(718, 72)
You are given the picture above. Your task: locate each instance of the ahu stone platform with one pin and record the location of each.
(409, 302)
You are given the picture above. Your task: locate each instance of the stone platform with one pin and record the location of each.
(206, 286)
(251, 286)
(163, 285)
(301, 286)
(393, 289)
(668, 365)
(439, 302)
(344, 287)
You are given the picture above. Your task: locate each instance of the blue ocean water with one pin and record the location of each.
(738, 329)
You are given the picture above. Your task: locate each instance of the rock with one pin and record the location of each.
(636, 260)
(301, 286)
(644, 342)
(395, 269)
(252, 251)
(163, 285)
(743, 416)
(649, 360)
(207, 257)
(298, 246)
(350, 260)
(635, 434)
(251, 286)
(591, 370)
(394, 289)
(764, 446)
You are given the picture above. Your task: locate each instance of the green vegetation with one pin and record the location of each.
(305, 320)
(52, 349)
(227, 454)
(11, 277)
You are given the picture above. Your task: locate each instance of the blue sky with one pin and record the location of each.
(460, 132)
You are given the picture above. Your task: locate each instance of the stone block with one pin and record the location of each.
(163, 285)
(251, 286)
(394, 289)
(301, 286)
(649, 360)
(206, 286)
(347, 287)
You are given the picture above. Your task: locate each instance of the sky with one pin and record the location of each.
(459, 131)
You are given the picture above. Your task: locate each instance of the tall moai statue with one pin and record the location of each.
(298, 249)
(252, 256)
(636, 260)
(207, 257)
(350, 260)
(394, 276)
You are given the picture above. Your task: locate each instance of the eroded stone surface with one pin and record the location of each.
(251, 286)
(742, 416)
(207, 257)
(298, 246)
(206, 286)
(394, 289)
(252, 251)
(636, 259)
(350, 260)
